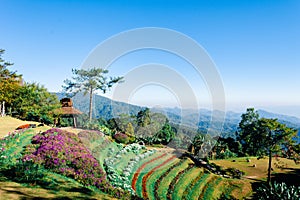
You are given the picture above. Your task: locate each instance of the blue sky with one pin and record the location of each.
(254, 44)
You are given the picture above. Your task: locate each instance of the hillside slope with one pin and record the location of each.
(196, 119)
(9, 124)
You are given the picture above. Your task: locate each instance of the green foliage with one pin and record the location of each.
(260, 135)
(277, 191)
(152, 128)
(202, 144)
(34, 102)
(226, 148)
(277, 134)
(24, 100)
(88, 81)
(28, 172)
(11, 146)
(121, 138)
(165, 135)
(9, 82)
(225, 154)
(143, 117)
(122, 179)
(129, 129)
(248, 133)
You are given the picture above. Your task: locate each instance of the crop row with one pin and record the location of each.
(184, 182)
(157, 183)
(211, 181)
(145, 178)
(137, 173)
(176, 179)
(211, 188)
(148, 168)
(192, 184)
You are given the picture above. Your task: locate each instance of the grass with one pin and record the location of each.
(155, 176)
(139, 185)
(210, 186)
(165, 182)
(142, 162)
(260, 171)
(50, 186)
(213, 191)
(99, 148)
(211, 181)
(53, 186)
(184, 182)
(239, 188)
(9, 124)
(15, 148)
(197, 189)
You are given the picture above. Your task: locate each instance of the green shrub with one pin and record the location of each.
(121, 138)
(226, 154)
(63, 152)
(278, 191)
(28, 172)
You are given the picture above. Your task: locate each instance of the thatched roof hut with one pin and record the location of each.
(67, 110)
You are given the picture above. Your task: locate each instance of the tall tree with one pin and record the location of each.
(278, 136)
(143, 117)
(261, 136)
(10, 82)
(129, 129)
(88, 81)
(248, 133)
(34, 102)
(165, 135)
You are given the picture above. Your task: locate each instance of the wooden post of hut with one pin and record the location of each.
(67, 110)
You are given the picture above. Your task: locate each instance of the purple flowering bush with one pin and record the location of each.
(63, 152)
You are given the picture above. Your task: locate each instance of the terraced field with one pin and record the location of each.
(181, 179)
(162, 175)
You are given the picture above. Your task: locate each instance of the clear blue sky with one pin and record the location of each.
(255, 44)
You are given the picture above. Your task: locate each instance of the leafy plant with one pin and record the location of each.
(278, 191)
(121, 138)
(63, 152)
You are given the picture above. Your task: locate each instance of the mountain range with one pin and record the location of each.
(197, 119)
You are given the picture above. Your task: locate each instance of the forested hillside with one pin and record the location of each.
(201, 120)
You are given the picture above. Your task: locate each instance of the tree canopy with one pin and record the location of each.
(29, 101)
(261, 136)
(9, 81)
(88, 81)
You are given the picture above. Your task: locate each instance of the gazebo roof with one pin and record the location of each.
(67, 111)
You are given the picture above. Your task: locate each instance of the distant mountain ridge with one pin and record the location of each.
(196, 119)
(102, 106)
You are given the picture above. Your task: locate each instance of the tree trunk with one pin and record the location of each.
(74, 121)
(91, 104)
(270, 167)
(3, 109)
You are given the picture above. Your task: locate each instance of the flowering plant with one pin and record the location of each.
(63, 152)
